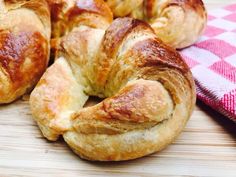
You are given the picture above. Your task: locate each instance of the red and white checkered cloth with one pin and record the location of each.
(213, 61)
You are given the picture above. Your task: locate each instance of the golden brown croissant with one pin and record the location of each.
(178, 23)
(24, 46)
(148, 88)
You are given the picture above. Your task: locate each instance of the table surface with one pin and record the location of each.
(206, 147)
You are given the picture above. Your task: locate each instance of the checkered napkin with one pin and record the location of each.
(213, 61)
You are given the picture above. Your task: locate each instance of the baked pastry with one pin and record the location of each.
(148, 89)
(67, 14)
(25, 31)
(24, 46)
(85, 15)
(178, 23)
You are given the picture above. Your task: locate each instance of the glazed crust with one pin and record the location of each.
(178, 23)
(24, 46)
(148, 89)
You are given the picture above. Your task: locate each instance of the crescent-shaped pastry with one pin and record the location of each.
(148, 92)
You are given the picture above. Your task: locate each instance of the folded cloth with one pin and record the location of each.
(213, 61)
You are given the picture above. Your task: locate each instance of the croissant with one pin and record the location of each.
(178, 23)
(148, 89)
(25, 30)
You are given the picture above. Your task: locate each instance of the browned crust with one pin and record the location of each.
(118, 30)
(16, 48)
(122, 105)
(148, 52)
(133, 104)
(153, 52)
(113, 38)
(89, 6)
